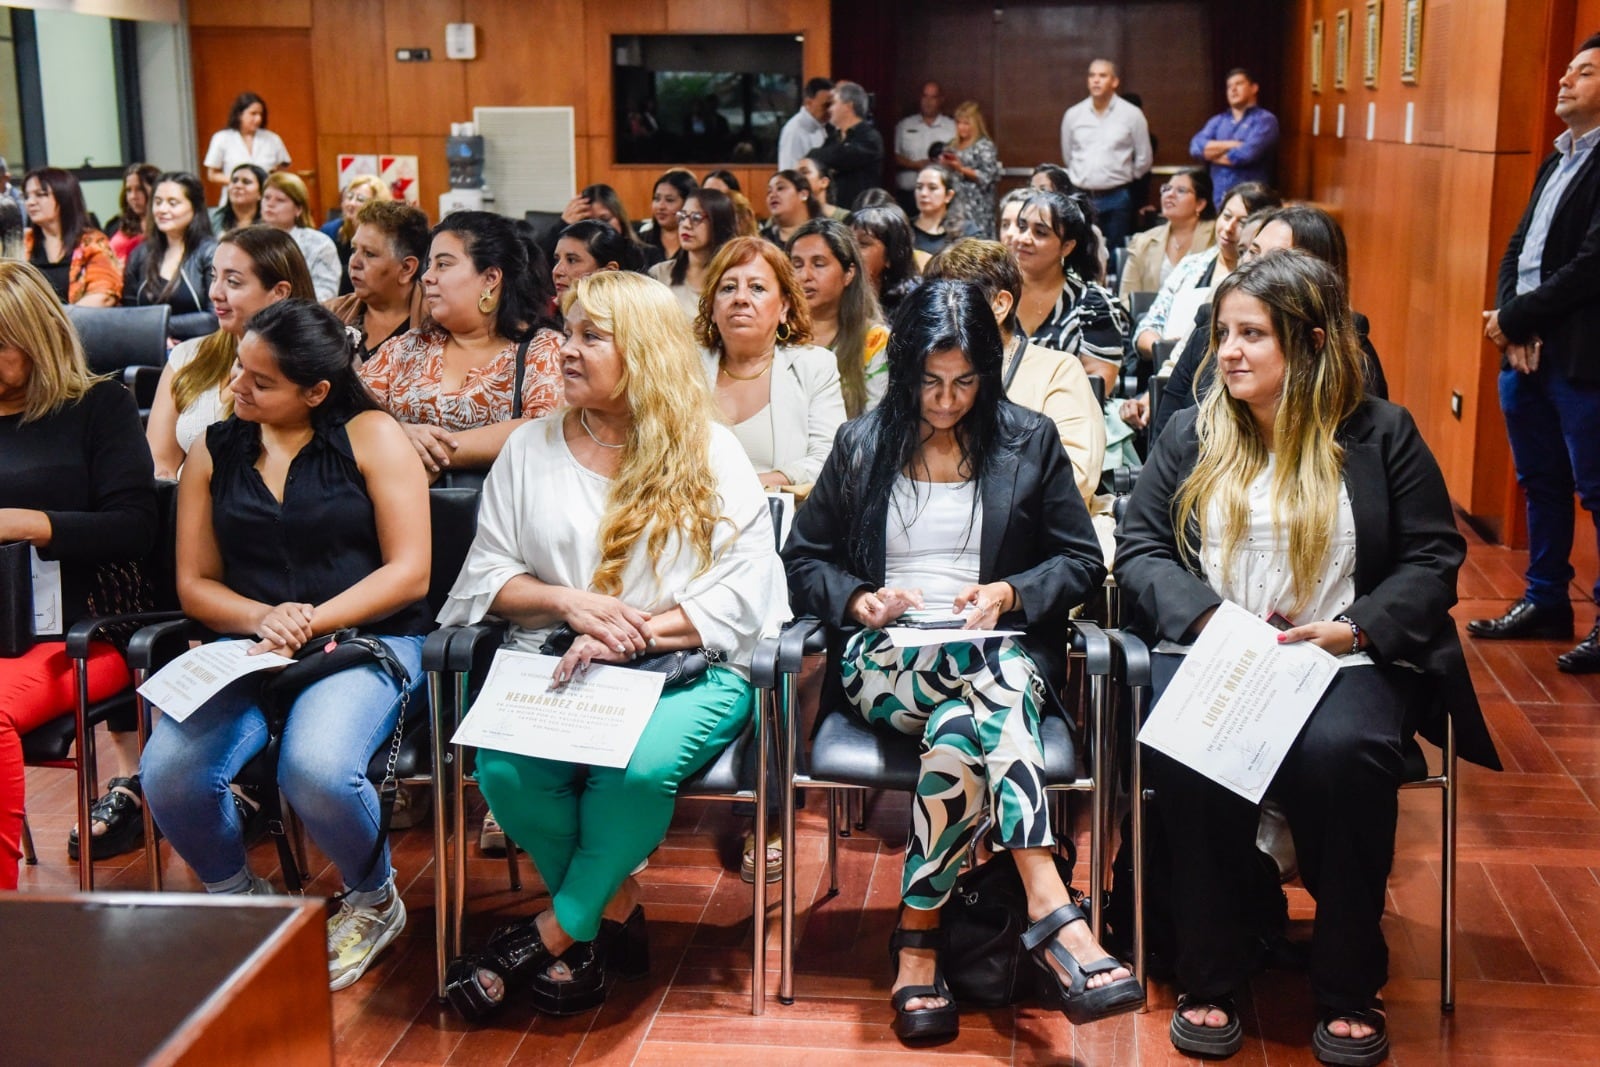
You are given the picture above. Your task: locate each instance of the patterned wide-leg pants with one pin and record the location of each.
(976, 706)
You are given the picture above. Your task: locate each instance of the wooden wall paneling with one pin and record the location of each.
(250, 13)
(1586, 20)
(433, 170)
(424, 98)
(276, 63)
(1479, 72)
(808, 17)
(330, 146)
(346, 37)
(602, 19)
(723, 16)
(956, 47)
(1160, 60)
(525, 57)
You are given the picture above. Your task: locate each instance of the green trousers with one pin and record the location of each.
(587, 828)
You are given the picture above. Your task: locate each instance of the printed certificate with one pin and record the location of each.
(201, 673)
(594, 720)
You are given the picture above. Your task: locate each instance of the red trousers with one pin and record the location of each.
(35, 688)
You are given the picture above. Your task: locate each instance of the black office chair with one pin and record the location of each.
(1139, 304)
(127, 342)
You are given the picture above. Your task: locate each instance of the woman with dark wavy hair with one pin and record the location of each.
(75, 258)
(844, 312)
(133, 207)
(948, 499)
(588, 246)
(883, 233)
(170, 265)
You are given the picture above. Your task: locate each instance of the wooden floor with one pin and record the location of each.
(1529, 946)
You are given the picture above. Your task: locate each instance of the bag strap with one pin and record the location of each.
(1016, 361)
(516, 386)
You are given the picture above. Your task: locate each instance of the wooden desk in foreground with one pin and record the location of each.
(163, 978)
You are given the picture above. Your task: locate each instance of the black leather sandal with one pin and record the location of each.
(1080, 1003)
(123, 818)
(625, 946)
(513, 952)
(924, 1026)
(1198, 1039)
(583, 990)
(1352, 1051)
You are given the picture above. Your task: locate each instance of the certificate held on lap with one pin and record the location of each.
(595, 719)
(1235, 707)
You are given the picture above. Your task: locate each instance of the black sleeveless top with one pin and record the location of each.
(320, 541)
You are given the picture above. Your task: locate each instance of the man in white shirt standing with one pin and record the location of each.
(808, 128)
(1105, 145)
(915, 136)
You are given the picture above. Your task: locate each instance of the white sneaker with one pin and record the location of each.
(357, 935)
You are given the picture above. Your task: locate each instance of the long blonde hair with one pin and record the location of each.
(1322, 385)
(664, 483)
(32, 319)
(274, 258)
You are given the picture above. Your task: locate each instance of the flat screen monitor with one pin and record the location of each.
(703, 98)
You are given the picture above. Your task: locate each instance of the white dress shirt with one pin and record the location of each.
(800, 135)
(912, 137)
(1107, 149)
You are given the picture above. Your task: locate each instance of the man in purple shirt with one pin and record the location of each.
(1240, 142)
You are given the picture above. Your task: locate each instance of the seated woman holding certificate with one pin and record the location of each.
(947, 497)
(302, 515)
(1322, 511)
(661, 541)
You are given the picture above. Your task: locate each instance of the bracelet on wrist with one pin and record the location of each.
(1355, 633)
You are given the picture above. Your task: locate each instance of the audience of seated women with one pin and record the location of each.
(1297, 497)
(1054, 179)
(778, 391)
(1042, 379)
(387, 250)
(705, 224)
(454, 384)
(820, 178)
(302, 515)
(241, 205)
(171, 265)
(789, 203)
(975, 164)
(1189, 227)
(601, 203)
(667, 197)
(77, 488)
(74, 257)
(844, 312)
(589, 246)
(938, 222)
(251, 268)
(286, 206)
(362, 190)
(948, 498)
(887, 252)
(133, 207)
(662, 541)
(246, 139)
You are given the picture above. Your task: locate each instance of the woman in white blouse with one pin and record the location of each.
(662, 540)
(286, 206)
(778, 392)
(246, 140)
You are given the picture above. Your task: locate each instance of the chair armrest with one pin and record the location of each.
(803, 636)
(86, 630)
(467, 642)
(1135, 659)
(436, 648)
(156, 645)
(1096, 646)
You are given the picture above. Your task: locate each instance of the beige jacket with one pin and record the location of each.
(1141, 271)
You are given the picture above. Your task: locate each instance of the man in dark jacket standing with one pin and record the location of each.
(854, 148)
(1548, 326)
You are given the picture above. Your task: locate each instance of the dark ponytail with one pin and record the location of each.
(311, 346)
(527, 295)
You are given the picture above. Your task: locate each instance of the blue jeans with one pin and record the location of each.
(1115, 208)
(1554, 427)
(334, 727)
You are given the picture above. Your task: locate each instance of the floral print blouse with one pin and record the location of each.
(406, 374)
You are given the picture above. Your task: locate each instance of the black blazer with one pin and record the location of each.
(856, 159)
(1407, 554)
(1036, 535)
(1564, 311)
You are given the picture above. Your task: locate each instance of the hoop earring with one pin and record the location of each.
(784, 332)
(487, 298)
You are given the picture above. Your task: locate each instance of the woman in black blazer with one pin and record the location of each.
(948, 498)
(1297, 496)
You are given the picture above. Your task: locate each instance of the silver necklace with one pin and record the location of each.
(583, 420)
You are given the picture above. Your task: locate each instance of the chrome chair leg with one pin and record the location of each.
(788, 754)
(443, 757)
(1447, 877)
(29, 856)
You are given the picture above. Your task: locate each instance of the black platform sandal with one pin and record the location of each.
(512, 952)
(584, 989)
(123, 817)
(1080, 1003)
(1198, 1039)
(1352, 1051)
(924, 1026)
(625, 946)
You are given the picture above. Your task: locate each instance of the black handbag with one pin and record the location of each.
(679, 668)
(983, 923)
(16, 599)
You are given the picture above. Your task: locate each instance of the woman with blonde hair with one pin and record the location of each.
(286, 206)
(361, 190)
(251, 268)
(976, 163)
(662, 541)
(1295, 498)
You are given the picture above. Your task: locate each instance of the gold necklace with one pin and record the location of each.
(742, 377)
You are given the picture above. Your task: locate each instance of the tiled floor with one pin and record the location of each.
(1529, 946)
